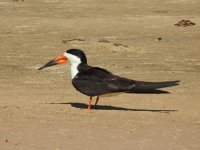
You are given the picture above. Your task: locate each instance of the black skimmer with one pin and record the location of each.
(95, 81)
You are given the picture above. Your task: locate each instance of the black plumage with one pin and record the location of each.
(93, 81)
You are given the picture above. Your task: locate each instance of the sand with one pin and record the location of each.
(137, 39)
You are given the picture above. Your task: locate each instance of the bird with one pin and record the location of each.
(96, 81)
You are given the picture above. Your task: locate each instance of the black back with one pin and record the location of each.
(79, 53)
(95, 81)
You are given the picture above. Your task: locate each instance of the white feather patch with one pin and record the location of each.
(74, 61)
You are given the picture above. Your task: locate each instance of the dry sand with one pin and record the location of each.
(40, 110)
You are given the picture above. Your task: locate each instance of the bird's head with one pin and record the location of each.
(74, 56)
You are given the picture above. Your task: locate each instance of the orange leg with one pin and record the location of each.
(90, 102)
(97, 99)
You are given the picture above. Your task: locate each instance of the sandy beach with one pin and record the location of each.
(137, 39)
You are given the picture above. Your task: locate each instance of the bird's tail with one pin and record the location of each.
(146, 87)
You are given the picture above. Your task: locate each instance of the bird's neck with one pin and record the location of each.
(74, 70)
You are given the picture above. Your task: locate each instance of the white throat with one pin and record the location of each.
(74, 61)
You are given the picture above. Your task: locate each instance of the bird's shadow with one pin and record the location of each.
(106, 107)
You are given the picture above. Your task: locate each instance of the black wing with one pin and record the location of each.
(98, 81)
(151, 87)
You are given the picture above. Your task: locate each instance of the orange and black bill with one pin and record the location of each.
(58, 60)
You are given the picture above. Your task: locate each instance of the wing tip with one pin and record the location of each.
(176, 82)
